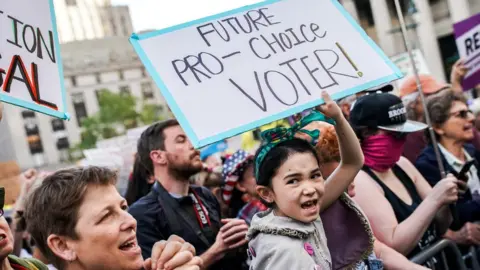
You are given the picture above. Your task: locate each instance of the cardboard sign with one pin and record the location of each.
(402, 61)
(467, 35)
(238, 70)
(31, 73)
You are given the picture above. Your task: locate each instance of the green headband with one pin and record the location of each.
(272, 137)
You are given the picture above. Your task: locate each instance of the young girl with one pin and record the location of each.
(291, 234)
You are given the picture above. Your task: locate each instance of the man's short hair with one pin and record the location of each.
(153, 138)
(53, 207)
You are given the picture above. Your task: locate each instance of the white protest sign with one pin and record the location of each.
(31, 73)
(109, 157)
(235, 71)
(402, 61)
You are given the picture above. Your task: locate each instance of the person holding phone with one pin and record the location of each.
(452, 122)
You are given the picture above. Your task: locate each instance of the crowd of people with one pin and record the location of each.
(354, 184)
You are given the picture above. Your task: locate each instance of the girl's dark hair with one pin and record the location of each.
(277, 156)
(138, 185)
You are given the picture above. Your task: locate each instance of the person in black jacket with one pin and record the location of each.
(176, 207)
(452, 122)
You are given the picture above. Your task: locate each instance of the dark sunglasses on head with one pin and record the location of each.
(462, 114)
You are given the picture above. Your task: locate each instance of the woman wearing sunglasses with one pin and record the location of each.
(405, 212)
(453, 126)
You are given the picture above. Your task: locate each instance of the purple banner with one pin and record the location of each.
(467, 34)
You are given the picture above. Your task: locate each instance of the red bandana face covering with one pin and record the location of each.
(382, 152)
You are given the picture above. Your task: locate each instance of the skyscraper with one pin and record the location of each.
(91, 19)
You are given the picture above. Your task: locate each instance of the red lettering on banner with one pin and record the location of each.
(31, 82)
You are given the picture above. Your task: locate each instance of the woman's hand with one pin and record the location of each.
(330, 108)
(173, 254)
(459, 70)
(445, 191)
(28, 179)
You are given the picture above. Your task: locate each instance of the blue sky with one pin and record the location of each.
(157, 14)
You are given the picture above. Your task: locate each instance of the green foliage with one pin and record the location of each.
(151, 113)
(116, 115)
(116, 108)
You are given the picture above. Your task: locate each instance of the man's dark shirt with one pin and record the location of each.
(159, 215)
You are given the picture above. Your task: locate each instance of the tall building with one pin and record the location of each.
(91, 19)
(116, 21)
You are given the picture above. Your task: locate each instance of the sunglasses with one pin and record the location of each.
(462, 114)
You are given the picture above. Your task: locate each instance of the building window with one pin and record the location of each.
(71, 2)
(125, 90)
(74, 81)
(33, 133)
(144, 72)
(31, 130)
(35, 144)
(98, 79)
(114, 27)
(147, 90)
(28, 114)
(123, 21)
(120, 75)
(58, 125)
(63, 143)
(79, 107)
(98, 94)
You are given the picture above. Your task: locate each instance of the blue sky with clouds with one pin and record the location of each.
(158, 14)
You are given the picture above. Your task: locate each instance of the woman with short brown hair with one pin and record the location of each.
(79, 221)
(452, 122)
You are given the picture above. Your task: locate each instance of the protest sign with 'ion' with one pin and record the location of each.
(31, 73)
(235, 71)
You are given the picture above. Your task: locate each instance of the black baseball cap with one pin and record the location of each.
(383, 88)
(383, 111)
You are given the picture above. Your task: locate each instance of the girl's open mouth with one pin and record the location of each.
(309, 204)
